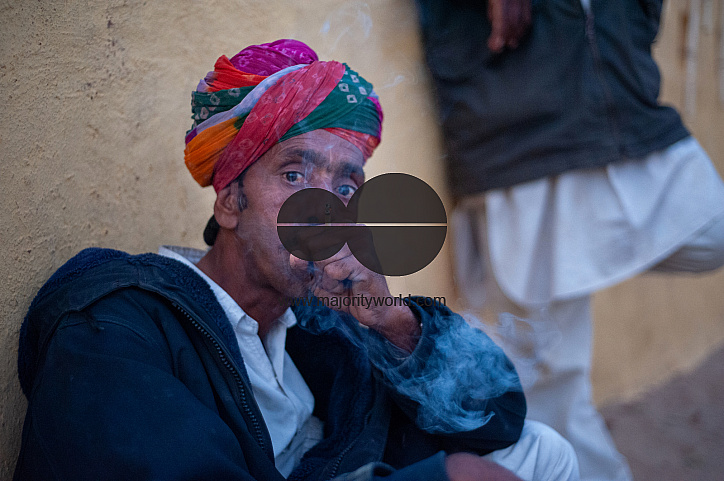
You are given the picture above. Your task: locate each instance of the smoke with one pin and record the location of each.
(393, 83)
(524, 340)
(346, 27)
(352, 22)
(451, 375)
(318, 319)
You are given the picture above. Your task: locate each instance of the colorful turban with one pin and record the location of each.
(266, 94)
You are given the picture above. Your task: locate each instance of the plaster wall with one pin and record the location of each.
(96, 98)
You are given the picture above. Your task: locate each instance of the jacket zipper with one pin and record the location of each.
(591, 36)
(235, 373)
(338, 461)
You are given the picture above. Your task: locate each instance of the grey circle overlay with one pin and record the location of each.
(381, 224)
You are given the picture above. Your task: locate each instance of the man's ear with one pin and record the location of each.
(226, 207)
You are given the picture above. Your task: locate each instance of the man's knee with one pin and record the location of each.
(703, 252)
(557, 458)
(541, 454)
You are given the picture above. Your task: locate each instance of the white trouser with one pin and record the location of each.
(541, 454)
(558, 392)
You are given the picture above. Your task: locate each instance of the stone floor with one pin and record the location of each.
(676, 431)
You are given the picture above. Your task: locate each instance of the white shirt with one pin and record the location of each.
(285, 401)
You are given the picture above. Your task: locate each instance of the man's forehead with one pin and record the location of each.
(321, 149)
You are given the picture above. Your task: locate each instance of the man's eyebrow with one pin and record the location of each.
(348, 169)
(306, 155)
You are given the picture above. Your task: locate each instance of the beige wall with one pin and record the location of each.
(96, 106)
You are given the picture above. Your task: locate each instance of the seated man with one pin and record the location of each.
(192, 365)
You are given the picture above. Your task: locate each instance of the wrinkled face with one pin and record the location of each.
(314, 159)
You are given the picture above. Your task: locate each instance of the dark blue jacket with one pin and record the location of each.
(580, 91)
(132, 371)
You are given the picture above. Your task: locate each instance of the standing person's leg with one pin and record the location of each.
(556, 372)
(551, 347)
(561, 394)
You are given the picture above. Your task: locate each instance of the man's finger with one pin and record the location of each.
(509, 20)
(496, 41)
(296, 263)
(339, 275)
(344, 253)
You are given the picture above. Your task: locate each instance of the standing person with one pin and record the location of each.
(569, 176)
(191, 365)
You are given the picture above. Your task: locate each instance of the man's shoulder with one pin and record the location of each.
(95, 272)
(96, 278)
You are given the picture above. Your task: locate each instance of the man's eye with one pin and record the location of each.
(293, 177)
(346, 190)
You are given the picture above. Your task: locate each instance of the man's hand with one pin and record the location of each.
(343, 277)
(510, 19)
(470, 467)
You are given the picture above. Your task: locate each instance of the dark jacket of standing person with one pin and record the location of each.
(579, 91)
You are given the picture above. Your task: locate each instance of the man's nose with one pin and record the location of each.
(321, 182)
(327, 183)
